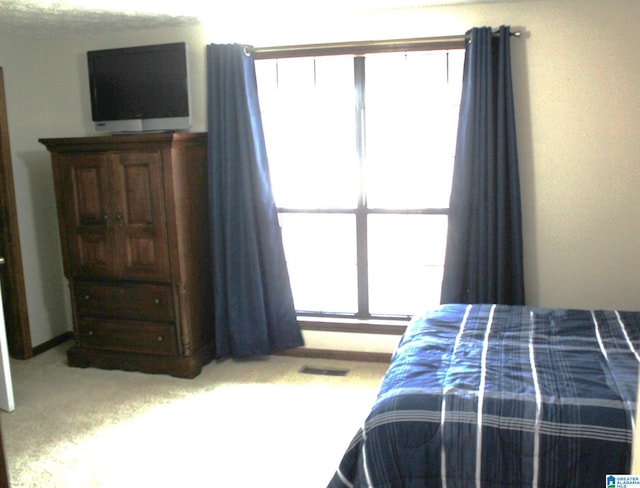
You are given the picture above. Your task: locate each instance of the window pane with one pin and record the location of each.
(309, 123)
(321, 256)
(406, 258)
(411, 123)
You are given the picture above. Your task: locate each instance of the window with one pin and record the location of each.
(361, 153)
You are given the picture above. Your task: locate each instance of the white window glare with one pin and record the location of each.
(364, 219)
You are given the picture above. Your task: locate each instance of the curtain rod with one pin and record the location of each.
(362, 47)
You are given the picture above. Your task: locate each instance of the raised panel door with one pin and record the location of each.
(88, 215)
(139, 217)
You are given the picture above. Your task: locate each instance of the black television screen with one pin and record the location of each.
(140, 88)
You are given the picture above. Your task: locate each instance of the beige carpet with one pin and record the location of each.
(239, 424)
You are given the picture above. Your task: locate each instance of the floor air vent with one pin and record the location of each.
(324, 371)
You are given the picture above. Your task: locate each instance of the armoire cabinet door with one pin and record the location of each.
(87, 199)
(138, 213)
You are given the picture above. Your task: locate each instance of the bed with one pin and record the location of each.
(502, 396)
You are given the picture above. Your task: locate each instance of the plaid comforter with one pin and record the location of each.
(502, 396)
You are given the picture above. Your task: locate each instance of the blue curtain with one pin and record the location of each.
(483, 262)
(254, 310)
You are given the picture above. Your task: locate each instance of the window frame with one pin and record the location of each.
(362, 320)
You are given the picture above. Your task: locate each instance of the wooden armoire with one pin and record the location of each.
(133, 220)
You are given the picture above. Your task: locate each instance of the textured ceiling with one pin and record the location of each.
(54, 18)
(51, 19)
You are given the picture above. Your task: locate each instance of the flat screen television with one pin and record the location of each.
(141, 88)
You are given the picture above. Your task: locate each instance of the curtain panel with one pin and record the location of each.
(484, 255)
(254, 309)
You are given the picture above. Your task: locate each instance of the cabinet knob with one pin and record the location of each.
(87, 297)
(157, 301)
(90, 332)
(160, 338)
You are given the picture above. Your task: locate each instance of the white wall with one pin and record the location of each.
(25, 76)
(576, 73)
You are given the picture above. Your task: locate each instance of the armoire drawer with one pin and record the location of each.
(134, 337)
(124, 301)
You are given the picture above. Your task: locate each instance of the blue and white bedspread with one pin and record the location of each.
(502, 396)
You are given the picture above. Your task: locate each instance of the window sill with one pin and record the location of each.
(373, 326)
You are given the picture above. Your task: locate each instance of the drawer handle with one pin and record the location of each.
(90, 332)
(160, 338)
(87, 297)
(157, 301)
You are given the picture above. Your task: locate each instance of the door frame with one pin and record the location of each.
(12, 275)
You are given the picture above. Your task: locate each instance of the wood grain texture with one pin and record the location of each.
(134, 223)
